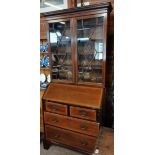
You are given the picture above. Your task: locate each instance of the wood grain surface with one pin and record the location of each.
(75, 95)
(83, 113)
(70, 138)
(74, 124)
(56, 108)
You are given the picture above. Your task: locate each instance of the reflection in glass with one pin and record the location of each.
(90, 49)
(60, 41)
(49, 3)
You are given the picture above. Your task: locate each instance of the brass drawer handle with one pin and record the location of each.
(53, 108)
(83, 113)
(55, 120)
(83, 127)
(84, 143)
(56, 136)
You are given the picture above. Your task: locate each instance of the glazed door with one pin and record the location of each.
(90, 49)
(60, 49)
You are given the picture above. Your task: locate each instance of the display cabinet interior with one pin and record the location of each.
(61, 54)
(78, 48)
(90, 49)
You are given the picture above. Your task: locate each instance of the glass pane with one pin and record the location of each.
(60, 40)
(50, 3)
(90, 49)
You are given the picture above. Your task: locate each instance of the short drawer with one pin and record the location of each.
(56, 108)
(74, 124)
(83, 113)
(62, 136)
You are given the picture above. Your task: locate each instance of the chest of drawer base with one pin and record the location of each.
(69, 138)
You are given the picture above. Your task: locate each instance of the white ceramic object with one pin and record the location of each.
(48, 78)
(53, 58)
(42, 77)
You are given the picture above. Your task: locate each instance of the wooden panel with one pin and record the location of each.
(41, 114)
(78, 125)
(83, 113)
(43, 29)
(91, 2)
(77, 11)
(70, 138)
(75, 95)
(56, 108)
(70, 4)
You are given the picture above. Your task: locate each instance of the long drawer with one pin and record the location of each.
(74, 124)
(83, 142)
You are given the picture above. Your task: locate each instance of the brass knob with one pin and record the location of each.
(53, 108)
(83, 113)
(55, 120)
(84, 127)
(84, 143)
(56, 136)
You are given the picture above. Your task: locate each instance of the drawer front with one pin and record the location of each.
(56, 108)
(74, 124)
(83, 113)
(55, 120)
(83, 142)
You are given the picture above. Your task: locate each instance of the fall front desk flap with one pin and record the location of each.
(75, 95)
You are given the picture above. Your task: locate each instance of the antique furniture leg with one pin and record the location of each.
(46, 144)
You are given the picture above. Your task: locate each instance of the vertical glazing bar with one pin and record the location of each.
(104, 48)
(82, 3)
(49, 50)
(75, 3)
(73, 48)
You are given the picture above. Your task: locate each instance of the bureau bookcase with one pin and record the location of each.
(73, 101)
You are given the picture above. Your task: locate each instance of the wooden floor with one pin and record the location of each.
(105, 145)
(106, 142)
